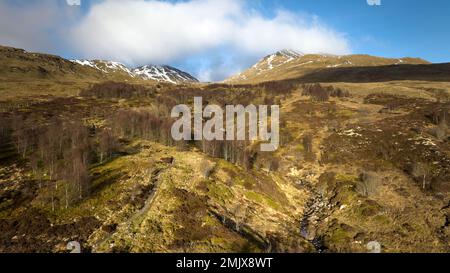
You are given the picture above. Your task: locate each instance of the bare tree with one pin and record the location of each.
(106, 144)
(307, 141)
(206, 168)
(240, 213)
(4, 129)
(368, 184)
(274, 164)
(20, 137)
(51, 150)
(441, 129)
(421, 171)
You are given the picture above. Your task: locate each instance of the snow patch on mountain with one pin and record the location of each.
(275, 60)
(160, 73)
(84, 63)
(305, 63)
(163, 73)
(105, 66)
(281, 57)
(270, 60)
(338, 65)
(291, 54)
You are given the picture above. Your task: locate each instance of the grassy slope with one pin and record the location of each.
(358, 69)
(25, 74)
(269, 205)
(394, 208)
(142, 204)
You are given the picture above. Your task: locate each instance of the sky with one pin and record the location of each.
(214, 39)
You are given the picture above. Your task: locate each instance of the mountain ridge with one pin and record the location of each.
(287, 64)
(159, 73)
(20, 65)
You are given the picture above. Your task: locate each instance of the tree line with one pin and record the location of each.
(146, 124)
(60, 153)
(112, 89)
(319, 93)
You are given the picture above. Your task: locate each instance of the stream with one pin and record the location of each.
(314, 212)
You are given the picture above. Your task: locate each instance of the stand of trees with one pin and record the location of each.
(60, 150)
(60, 153)
(319, 93)
(142, 124)
(111, 90)
(150, 126)
(61, 156)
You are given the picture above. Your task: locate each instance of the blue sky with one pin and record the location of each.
(397, 28)
(213, 39)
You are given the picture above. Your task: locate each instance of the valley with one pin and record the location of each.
(86, 155)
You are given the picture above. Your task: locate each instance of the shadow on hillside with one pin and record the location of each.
(421, 72)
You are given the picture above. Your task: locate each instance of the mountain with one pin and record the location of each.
(107, 67)
(163, 73)
(18, 64)
(158, 73)
(289, 64)
(21, 65)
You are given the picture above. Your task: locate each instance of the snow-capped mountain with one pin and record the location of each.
(286, 64)
(106, 66)
(160, 73)
(268, 63)
(163, 73)
(290, 54)
(277, 59)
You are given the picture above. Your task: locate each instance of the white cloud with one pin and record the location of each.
(193, 33)
(21, 25)
(35, 25)
(138, 32)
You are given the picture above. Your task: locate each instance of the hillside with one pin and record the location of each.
(25, 73)
(367, 74)
(110, 69)
(352, 168)
(288, 64)
(20, 65)
(159, 73)
(87, 159)
(163, 73)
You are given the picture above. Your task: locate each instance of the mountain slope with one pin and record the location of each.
(288, 64)
(107, 67)
(159, 73)
(20, 65)
(385, 73)
(163, 73)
